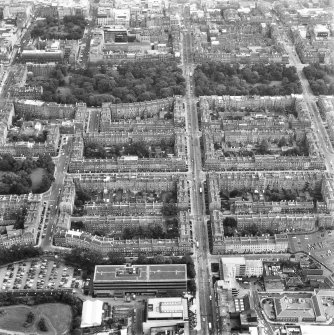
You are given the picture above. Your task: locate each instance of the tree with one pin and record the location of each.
(230, 226)
(30, 318)
(230, 221)
(235, 193)
(320, 78)
(17, 252)
(282, 142)
(191, 272)
(192, 286)
(264, 147)
(42, 325)
(159, 260)
(20, 217)
(116, 258)
(169, 209)
(77, 225)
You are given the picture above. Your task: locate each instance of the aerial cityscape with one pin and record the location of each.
(167, 167)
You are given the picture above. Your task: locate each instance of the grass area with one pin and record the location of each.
(36, 177)
(13, 318)
(57, 316)
(64, 91)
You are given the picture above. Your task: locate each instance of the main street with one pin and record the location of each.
(310, 101)
(53, 196)
(205, 294)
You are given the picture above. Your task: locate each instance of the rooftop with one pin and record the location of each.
(171, 308)
(144, 273)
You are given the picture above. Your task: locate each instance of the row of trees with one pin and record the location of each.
(131, 82)
(321, 78)
(17, 253)
(214, 78)
(16, 179)
(70, 27)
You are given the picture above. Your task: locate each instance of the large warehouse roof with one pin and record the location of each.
(91, 313)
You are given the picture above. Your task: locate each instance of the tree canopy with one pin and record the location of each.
(15, 178)
(70, 27)
(214, 78)
(155, 231)
(18, 252)
(130, 82)
(321, 78)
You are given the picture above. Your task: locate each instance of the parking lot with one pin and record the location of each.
(38, 274)
(320, 245)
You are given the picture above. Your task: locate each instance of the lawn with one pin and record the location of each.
(13, 318)
(57, 316)
(64, 91)
(36, 177)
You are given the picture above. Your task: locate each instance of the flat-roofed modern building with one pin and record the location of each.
(162, 313)
(118, 280)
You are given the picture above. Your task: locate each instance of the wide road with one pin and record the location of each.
(53, 197)
(310, 101)
(205, 307)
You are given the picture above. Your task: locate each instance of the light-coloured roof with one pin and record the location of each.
(140, 273)
(311, 330)
(91, 313)
(233, 260)
(167, 308)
